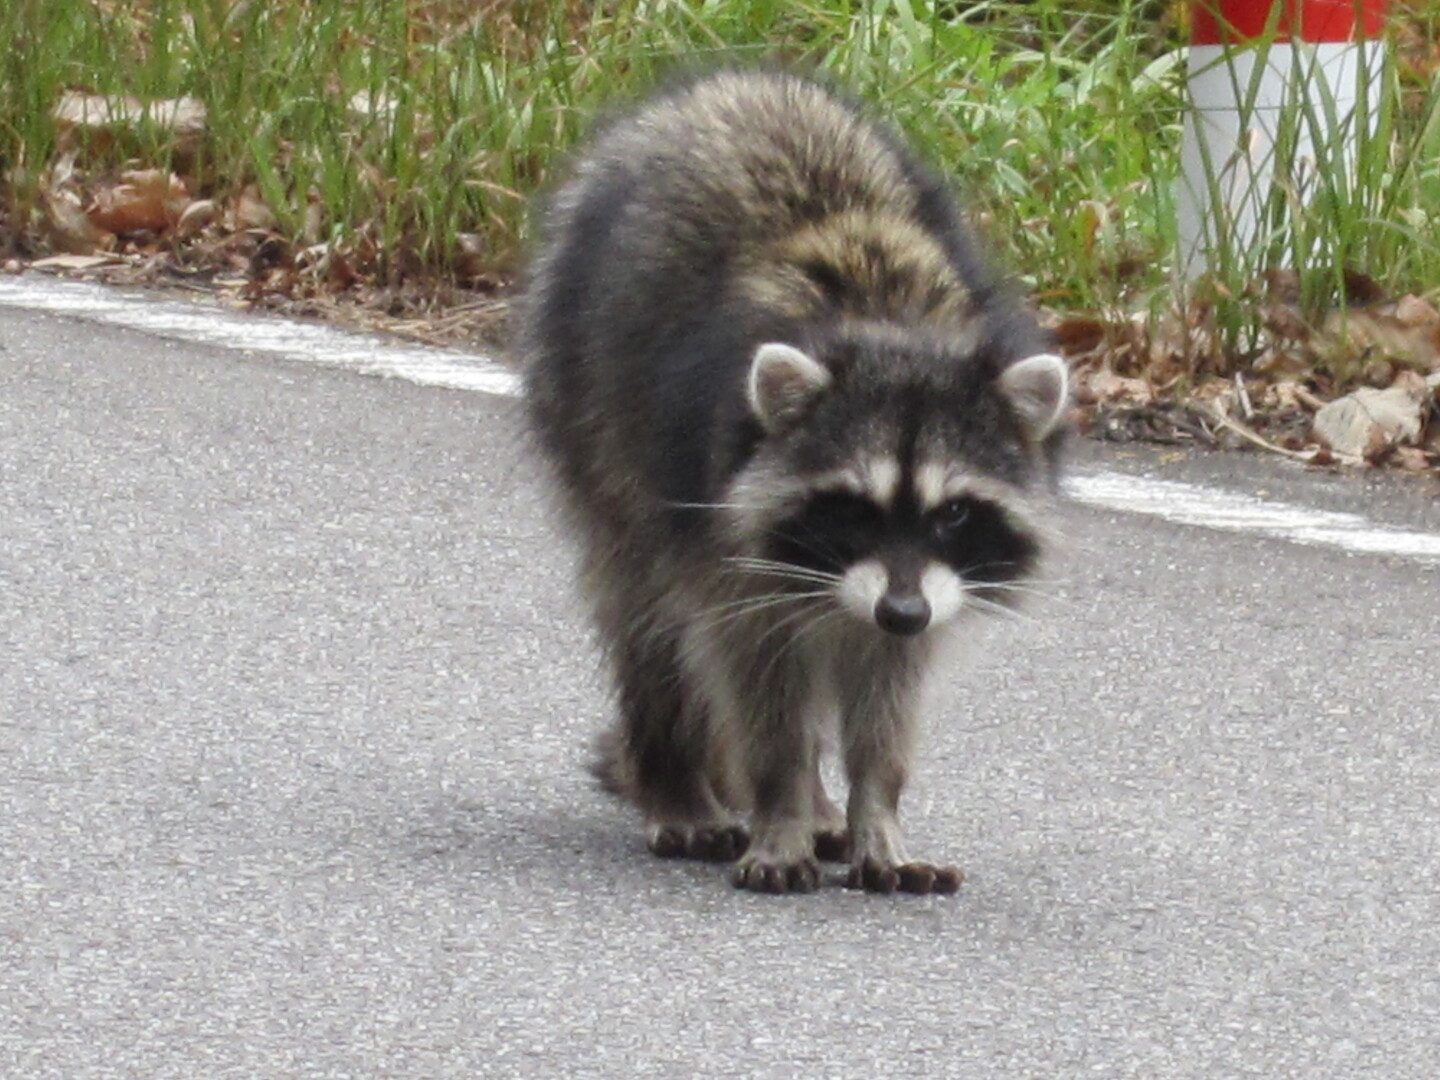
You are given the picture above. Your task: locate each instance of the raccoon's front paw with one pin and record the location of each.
(712, 843)
(913, 877)
(764, 876)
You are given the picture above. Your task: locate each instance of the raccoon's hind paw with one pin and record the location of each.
(915, 877)
(711, 843)
(773, 877)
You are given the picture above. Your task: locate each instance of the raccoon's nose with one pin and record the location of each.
(902, 613)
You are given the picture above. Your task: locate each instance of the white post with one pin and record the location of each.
(1275, 100)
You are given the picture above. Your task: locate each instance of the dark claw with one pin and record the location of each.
(717, 843)
(916, 878)
(872, 877)
(669, 842)
(768, 878)
(948, 879)
(721, 844)
(803, 878)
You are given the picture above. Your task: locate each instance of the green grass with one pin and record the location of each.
(408, 128)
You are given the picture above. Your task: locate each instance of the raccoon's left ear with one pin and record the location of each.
(784, 382)
(1038, 389)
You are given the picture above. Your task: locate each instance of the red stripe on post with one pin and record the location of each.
(1227, 22)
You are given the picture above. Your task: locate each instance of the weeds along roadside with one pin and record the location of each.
(402, 127)
(403, 138)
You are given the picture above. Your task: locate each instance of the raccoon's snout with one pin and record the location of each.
(898, 599)
(902, 613)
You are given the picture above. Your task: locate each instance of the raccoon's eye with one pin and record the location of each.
(976, 537)
(950, 517)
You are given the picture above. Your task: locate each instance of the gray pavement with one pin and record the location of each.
(294, 697)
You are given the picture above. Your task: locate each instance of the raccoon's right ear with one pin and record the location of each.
(784, 382)
(1038, 389)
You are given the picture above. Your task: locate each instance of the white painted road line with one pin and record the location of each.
(294, 340)
(1213, 508)
(1185, 504)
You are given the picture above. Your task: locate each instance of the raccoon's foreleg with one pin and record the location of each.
(878, 730)
(785, 847)
(780, 751)
(664, 742)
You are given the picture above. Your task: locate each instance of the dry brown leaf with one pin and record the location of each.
(330, 263)
(1285, 322)
(1411, 458)
(1214, 389)
(1283, 396)
(146, 200)
(471, 260)
(1364, 424)
(1412, 310)
(1076, 335)
(1103, 385)
(1402, 333)
(1378, 373)
(250, 211)
(1361, 288)
(1280, 286)
(197, 217)
(69, 228)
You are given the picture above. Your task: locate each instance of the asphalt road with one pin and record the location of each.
(294, 698)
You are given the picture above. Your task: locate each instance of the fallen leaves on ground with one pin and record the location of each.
(176, 226)
(1359, 386)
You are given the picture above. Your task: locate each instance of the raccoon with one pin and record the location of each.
(799, 429)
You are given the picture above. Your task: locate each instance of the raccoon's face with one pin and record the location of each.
(903, 564)
(901, 503)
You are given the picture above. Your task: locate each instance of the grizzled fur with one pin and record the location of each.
(797, 426)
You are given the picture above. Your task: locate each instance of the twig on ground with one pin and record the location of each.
(1225, 420)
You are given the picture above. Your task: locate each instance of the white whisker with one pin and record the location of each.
(1016, 589)
(719, 615)
(786, 571)
(992, 607)
(703, 506)
(792, 640)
